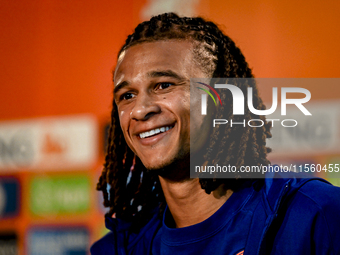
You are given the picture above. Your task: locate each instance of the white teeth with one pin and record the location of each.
(154, 131)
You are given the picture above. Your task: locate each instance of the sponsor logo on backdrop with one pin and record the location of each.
(16, 146)
(54, 145)
(9, 197)
(60, 195)
(9, 243)
(48, 143)
(58, 241)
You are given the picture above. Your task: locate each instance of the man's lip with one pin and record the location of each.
(152, 140)
(139, 131)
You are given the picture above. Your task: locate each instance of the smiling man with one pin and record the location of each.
(155, 207)
(152, 95)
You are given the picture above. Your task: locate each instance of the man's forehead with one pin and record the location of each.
(121, 56)
(164, 47)
(119, 60)
(163, 53)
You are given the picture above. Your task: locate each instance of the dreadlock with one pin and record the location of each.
(133, 190)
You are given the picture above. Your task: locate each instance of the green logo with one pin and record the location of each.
(60, 195)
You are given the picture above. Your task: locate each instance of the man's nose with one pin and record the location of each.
(144, 108)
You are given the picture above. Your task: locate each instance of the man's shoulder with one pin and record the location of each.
(105, 245)
(304, 218)
(324, 199)
(316, 192)
(322, 193)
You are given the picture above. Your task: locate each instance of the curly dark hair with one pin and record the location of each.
(133, 191)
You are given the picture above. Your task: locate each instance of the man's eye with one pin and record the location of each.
(126, 96)
(164, 85)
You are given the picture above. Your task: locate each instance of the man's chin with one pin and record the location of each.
(177, 169)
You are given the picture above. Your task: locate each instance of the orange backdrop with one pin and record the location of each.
(56, 56)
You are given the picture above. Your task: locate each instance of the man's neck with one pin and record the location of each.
(189, 204)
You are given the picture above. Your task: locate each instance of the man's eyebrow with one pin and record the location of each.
(166, 73)
(152, 74)
(120, 86)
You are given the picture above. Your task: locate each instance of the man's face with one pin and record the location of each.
(152, 93)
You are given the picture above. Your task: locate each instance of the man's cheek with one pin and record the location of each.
(133, 149)
(123, 121)
(124, 127)
(121, 114)
(129, 143)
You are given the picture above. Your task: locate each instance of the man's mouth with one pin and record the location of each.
(154, 131)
